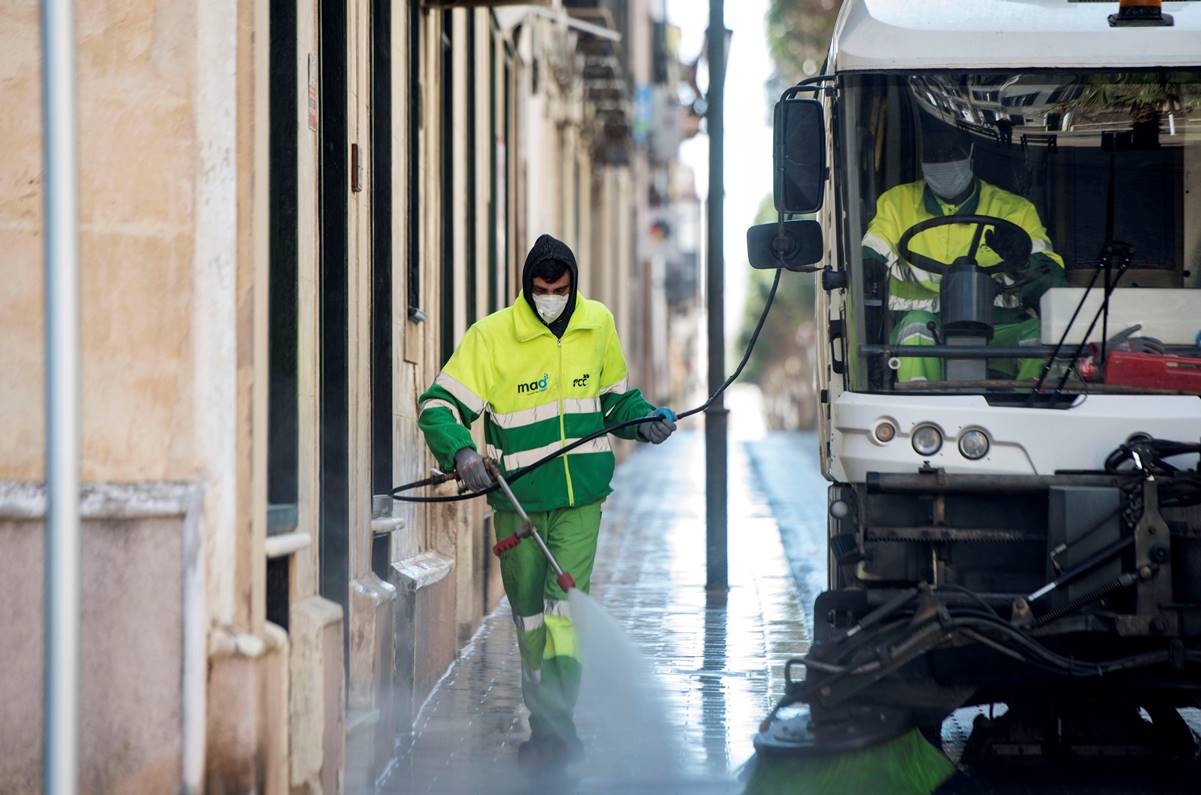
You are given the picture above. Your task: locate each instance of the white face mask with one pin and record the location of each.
(550, 306)
(950, 179)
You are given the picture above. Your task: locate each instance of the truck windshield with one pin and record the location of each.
(987, 212)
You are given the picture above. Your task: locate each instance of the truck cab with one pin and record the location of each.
(1002, 202)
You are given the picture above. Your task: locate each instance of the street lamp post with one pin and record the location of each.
(60, 717)
(716, 574)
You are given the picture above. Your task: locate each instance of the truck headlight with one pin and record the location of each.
(926, 440)
(973, 444)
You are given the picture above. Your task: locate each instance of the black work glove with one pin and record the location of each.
(1005, 242)
(470, 469)
(1042, 276)
(658, 431)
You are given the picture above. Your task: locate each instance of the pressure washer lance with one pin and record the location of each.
(563, 578)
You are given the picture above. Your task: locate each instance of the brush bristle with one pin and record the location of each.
(906, 765)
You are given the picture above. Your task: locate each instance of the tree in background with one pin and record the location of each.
(783, 360)
(793, 305)
(798, 36)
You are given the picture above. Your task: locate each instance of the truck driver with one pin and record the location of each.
(950, 187)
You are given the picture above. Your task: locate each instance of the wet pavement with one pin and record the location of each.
(719, 663)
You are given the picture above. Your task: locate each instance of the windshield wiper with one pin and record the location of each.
(1050, 361)
(1122, 252)
(1111, 251)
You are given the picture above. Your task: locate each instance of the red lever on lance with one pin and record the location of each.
(563, 578)
(505, 544)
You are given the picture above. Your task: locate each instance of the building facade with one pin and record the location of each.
(291, 211)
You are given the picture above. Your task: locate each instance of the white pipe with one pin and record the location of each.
(60, 760)
(194, 669)
(600, 31)
(509, 17)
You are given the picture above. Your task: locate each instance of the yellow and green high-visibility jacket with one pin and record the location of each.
(537, 393)
(909, 288)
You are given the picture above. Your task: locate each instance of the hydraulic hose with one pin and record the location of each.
(518, 474)
(978, 626)
(1177, 487)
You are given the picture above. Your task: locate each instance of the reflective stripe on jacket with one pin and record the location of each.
(901, 207)
(538, 393)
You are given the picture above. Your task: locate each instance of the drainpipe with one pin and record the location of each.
(60, 766)
(716, 579)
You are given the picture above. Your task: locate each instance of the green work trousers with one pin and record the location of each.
(546, 638)
(913, 329)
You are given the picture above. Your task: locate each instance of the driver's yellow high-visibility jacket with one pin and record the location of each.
(909, 288)
(538, 393)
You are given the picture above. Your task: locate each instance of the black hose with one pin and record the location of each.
(398, 492)
(1177, 487)
(1016, 639)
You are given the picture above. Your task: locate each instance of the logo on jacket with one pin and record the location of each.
(540, 385)
(582, 380)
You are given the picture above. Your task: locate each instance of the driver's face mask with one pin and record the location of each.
(951, 178)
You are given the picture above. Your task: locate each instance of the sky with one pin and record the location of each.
(748, 134)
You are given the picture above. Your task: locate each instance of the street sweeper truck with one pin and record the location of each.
(1002, 203)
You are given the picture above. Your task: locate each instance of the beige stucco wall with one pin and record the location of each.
(136, 64)
(172, 150)
(130, 695)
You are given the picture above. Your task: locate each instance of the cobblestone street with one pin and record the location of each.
(719, 666)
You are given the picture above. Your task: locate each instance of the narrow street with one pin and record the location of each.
(292, 285)
(720, 667)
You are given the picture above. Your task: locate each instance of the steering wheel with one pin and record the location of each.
(1015, 240)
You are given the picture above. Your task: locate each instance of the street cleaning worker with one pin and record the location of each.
(950, 187)
(544, 372)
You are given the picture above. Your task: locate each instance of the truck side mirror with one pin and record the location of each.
(792, 245)
(799, 155)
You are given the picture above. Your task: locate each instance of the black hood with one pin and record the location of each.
(549, 248)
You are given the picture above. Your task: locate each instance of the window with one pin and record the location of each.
(282, 247)
(381, 247)
(446, 131)
(334, 313)
(1019, 101)
(1101, 169)
(471, 261)
(282, 423)
(413, 171)
(381, 276)
(508, 119)
(494, 301)
(1065, 93)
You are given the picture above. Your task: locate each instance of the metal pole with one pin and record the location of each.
(60, 765)
(716, 575)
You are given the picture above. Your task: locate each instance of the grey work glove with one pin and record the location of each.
(1147, 345)
(658, 431)
(1125, 340)
(470, 468)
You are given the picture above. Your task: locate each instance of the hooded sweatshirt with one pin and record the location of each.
(538, 390)
(549, 248)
